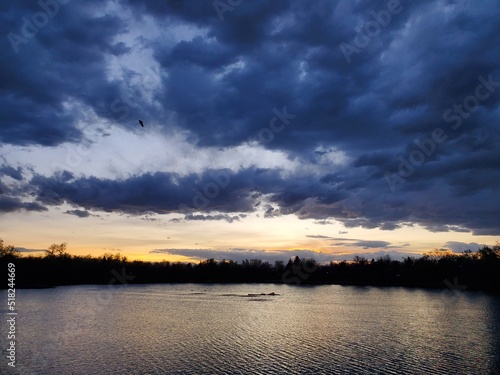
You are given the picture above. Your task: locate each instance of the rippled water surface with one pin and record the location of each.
(233, 329)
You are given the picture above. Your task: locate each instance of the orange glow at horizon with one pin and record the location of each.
(135, 238)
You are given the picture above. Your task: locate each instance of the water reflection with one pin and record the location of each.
(217, 329)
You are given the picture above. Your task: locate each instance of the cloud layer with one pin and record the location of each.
(403, 131)
(239, 255)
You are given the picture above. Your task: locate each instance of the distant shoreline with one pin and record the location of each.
(441, 286)
(473, 271)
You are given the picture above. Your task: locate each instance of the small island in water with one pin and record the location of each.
(470, 270)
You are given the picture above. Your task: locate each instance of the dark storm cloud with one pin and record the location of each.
(365, 244)
(219, 192)
(323, 222)
(433, 65)
(217, 217)
(446, 228)
(15, 173)
(160, 192)
(63, 62)
(199, 53)
(289, 56)
(10, 204)
(371, 244)
(78, 213)
(214, 190)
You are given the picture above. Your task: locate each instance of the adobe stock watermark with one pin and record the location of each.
(92, 307)
(426, 147)
(222, 7)
(121, 106)
(454, 287)
(31, 25)
(211, 189)
(453, 290)
(73, 158)
(222, 178)
(277, 124)
(120, 109)
(370, 29)
(299, 272)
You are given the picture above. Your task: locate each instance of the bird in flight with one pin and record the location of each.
(140, 122)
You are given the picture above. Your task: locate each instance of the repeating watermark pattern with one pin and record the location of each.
(482, 92)
(90, 309)
(370, 29)
(222, 178)
(31, 25)
(426, 147)
(222, 7)
(120, 109)
(121, 106)
(455, 287)
(452, 290)
(74, 156)
(11, 314)
(299, 272)
(266, 134)
(211, 189)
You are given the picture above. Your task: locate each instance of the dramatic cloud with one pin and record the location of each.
(158, 192)
(365, 244)
(384, 126)
(78, 213)
(15, 173)
(371, 244)
(9, 204)
(225, 217)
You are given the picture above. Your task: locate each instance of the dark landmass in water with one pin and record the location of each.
(467, 271)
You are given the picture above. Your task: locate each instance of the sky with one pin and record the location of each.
(322, 129)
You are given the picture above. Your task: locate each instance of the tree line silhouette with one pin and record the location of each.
(479, 270)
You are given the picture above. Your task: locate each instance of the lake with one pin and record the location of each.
(233, 329)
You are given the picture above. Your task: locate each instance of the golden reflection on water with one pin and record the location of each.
(216, 329)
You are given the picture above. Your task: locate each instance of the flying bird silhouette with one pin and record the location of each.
(140, 122)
